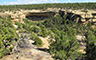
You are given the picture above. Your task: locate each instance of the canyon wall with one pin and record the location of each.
(74, 15)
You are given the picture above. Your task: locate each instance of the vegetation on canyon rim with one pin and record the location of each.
(45, 6)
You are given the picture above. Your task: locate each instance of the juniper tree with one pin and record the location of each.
(90, 45)
(65, 47)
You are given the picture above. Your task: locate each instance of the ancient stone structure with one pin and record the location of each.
(39, 15)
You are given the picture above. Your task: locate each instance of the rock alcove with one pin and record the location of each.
(39, 16)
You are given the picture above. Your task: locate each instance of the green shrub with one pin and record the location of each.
(44, 31)
(51, 34)
(1, 54)
(26, 21)
(35, 29)
(33, 36)
(91, 46)
(1, 45)
(37, 40)
(65, 47)
(21, 31)
(20, 25)
(7, 36)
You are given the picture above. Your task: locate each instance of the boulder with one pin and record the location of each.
(88, 16)
(93, 20)
(80, 38)
(83, 20)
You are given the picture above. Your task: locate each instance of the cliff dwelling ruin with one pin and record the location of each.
(39, 16)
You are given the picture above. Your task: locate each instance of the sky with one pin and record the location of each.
(13, 2)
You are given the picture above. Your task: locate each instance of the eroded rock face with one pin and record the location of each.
(90, 15)
(81, 40)
(77, 15)
(4, 15)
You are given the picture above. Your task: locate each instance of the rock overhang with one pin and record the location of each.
(78, 14)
